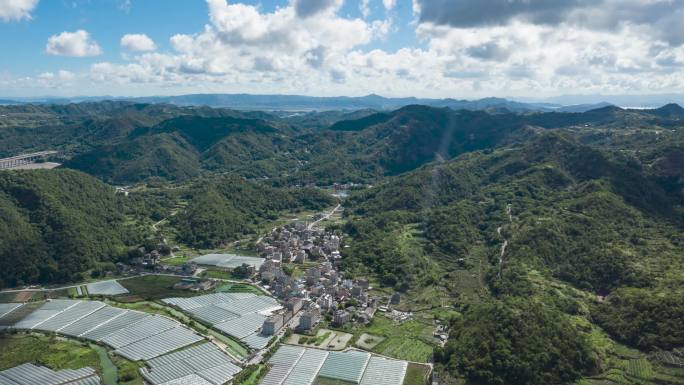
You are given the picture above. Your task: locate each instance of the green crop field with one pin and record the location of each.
(416, 374)
(640, 368)
(239, 288)
(217, 273)
(52, 352)
(406, 341)
(58, 353)
(151, 287)
(175, 261)
(411, 350)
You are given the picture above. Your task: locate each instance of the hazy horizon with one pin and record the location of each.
(620, 100)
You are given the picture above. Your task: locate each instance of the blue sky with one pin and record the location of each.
(108, 20)
(439, 48)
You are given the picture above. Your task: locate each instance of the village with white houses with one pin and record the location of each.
(286, 315)
(323, 291)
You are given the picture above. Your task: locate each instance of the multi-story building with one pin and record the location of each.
(309, 319)
(272, 324)
(341, 317)
(294, 305)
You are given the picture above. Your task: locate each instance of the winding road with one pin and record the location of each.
(505, 241)
(324, 217)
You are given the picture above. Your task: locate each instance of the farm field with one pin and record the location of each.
(22, 296)
(174, 261)
(216, 273)
(406, 341)
(416, 374)
(53, 352)
(369, 341)
(152, 287)
(238, 288)
(59, 353)
(325, 339)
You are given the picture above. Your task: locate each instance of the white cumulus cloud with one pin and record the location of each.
(16, 9)
(389, 4)
(364, 8)
(138, 42)
(522, 48)
(76, 44)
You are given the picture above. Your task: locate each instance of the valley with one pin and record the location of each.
(342, 192)
(474, 246)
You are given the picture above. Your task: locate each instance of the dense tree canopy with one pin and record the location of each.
(517, 342)
(56, 224)
(221, 209)
(644, 318)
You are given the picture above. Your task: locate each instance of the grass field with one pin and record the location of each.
(217, 273)
(7, 297)
(152, 287)
(406, 341)
(317, 340)
(128, 371)
(233, 346)
(175, 261)
(239, 288)
(72, 292)
(416, 374)
(368, 341)
(52, 352)
(22, 296)
(59, 353)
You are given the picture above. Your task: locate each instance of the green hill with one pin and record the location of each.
(165, 155)
(593, 221)
(56, 224)
(180, 148)
(123, 142)
(222, 209)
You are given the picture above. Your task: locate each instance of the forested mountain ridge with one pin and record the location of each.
(79, 128)
(180, 148)
(56, 224)
(223, 208)
(124, 142)
(519, 218)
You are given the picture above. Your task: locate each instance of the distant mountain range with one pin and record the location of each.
(298, 103)
(624, 101)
